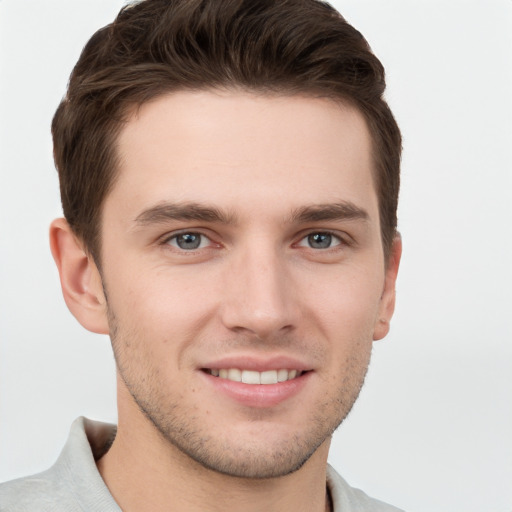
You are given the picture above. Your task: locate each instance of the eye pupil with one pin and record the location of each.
(188, 241)
(320, 240)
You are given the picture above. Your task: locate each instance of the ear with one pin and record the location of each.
(387, 300)
(79, 278)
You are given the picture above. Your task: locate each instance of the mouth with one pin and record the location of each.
(254, 383)
(254, 377)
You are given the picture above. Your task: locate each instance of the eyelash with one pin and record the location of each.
(167, 240)
(334, 237)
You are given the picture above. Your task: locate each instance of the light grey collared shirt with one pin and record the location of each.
(73, 483)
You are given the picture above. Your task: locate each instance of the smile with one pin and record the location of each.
(255, 377)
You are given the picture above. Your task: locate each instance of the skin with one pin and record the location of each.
(273, 172)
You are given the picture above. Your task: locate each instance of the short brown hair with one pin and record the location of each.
(158, 46)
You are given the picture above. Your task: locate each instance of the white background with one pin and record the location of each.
(432, 430)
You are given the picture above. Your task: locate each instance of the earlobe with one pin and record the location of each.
(79, 277)
(387, 301)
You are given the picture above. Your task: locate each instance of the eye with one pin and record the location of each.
(320, 240)
(189, 241)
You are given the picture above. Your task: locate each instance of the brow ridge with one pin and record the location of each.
(188, 211)
(343, 210)
(191, 211)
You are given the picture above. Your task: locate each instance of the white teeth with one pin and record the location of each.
(282, 375)
(235, 374)
(253, 377)
(269, 377)
(249, 377)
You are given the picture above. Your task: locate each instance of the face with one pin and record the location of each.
(244, 274)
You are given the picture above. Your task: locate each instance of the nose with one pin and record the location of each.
(258, 296)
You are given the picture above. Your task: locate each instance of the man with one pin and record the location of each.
(229, 177)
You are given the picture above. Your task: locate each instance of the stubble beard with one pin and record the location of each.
(233, 457)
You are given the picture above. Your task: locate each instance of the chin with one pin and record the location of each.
(252, 463)
(254, 450)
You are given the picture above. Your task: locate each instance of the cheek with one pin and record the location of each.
(350, 303)
(164, 306)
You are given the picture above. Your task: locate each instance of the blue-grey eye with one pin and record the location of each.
(189, 241)
(320, 241)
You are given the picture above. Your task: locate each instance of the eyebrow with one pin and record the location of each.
(343, 210)
(190, 211)
(165, 212)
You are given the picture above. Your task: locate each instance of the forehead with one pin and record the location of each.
(224, 147)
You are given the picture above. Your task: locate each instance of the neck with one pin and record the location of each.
(145, 472)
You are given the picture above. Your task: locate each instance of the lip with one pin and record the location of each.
(257, 364)
(257, 395)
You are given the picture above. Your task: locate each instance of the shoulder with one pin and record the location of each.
(73, 483)
(349, 499)
(39, 492)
